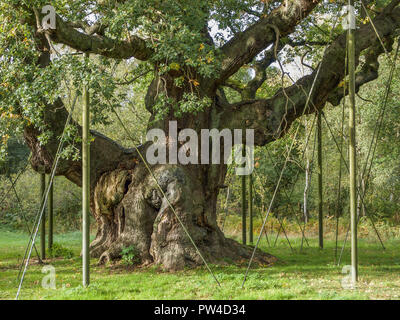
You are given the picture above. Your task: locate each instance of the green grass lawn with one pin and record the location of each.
(310, 274)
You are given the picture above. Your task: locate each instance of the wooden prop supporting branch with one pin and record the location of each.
(51, 215)
(352, 152)
(85, 186)
(43, 222)
(244, 209)
(251, 209)
(244, 199)
(320, 195)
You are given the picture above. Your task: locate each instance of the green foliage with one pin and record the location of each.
(16, 157)
(383, 185)
(58, 250)
(192, 104)
(130, 256)
(67, 202)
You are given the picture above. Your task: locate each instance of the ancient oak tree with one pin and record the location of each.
(193, 51)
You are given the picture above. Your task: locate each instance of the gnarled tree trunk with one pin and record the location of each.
(129, 208)
(126, 201)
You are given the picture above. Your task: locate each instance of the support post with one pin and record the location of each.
(352, 147)
(251, 231)
(244, 209)
(51, 214)
(226, 208)
(244, 198)
(320, 194)
(85, 185)
(43, 221)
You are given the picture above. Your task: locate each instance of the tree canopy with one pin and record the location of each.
(203, 45)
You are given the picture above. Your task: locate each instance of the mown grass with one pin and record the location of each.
(309, 274)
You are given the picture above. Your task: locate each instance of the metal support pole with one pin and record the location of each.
(43, 222)
(352, 147)
(244, 209)
(251, 209)
(85, 186)
(51, 213)
(244, 155)
(320, 195)
(226, 208)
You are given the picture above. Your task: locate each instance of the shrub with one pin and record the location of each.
(130, 256)
(59, 250)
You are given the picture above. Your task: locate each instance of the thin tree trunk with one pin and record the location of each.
(51, 215)
(307, 181)
(251, 209)
(43, 221)
(359, 205)
(363, 191)
(320, 194)
(305, 194)
(244, 209)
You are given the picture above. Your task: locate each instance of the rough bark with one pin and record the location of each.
(126, 202)
(131, 211)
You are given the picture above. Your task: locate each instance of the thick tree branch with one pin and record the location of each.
(245, 46)
(368, 72)
(260, 69)
(96, 28)
(306, 43)
(105, 154)
(271, 118)
(65, 33)
(249, 90)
